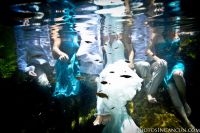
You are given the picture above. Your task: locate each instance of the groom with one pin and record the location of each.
(34, 55)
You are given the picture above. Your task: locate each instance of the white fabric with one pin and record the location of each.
(114, 52)
(90, 57)
(119, 90)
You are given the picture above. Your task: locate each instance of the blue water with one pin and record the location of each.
(81, 30)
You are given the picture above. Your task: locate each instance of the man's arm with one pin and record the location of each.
(22, 60)
(151, 44)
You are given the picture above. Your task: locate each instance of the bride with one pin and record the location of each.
(116, 85)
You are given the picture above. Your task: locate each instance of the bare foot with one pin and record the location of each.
(189, 125)
(102, 119)
(151, 99)
(98, 120)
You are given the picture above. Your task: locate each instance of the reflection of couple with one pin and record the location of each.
(34, 52)
(117, 84)
(36, 59)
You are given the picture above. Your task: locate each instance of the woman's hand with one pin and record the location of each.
(63, 56)
(131, 65)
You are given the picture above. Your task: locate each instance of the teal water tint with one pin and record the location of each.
(67, 83)
(68, 104)
(67, 70)
(173, 57)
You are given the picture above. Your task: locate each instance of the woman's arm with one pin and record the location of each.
(152, 55)
(56, 49)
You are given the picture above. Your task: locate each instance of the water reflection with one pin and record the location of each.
(98, 45)
(65, 46)
(67, 66)
(90, 54)
(34, 51)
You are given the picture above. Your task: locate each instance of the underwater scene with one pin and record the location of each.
(102, 66)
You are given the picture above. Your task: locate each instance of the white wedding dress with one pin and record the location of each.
(117, 84)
